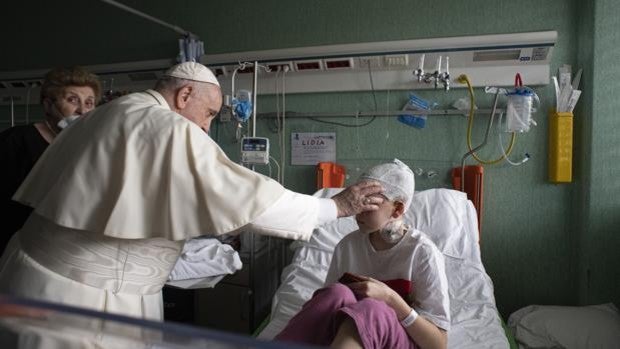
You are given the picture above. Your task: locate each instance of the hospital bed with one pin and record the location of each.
(450, 221)
(32, 324)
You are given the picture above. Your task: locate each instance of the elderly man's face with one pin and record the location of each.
(204, 106)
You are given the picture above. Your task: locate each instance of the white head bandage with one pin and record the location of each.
(396, 178)
(192, 71)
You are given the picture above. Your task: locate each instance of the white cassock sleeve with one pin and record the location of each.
(293, 213)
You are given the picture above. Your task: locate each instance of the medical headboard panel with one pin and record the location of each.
(474, 179)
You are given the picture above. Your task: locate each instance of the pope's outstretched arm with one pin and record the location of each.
(294, 216)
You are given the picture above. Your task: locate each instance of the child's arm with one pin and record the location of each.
(422, 331)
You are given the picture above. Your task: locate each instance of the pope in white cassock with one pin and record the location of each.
(121, 189)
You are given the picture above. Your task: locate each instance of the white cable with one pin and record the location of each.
(283, 123)
(358, 144)
(238, 132)
(232, 85)
(277, 167)
(278, 125)
(281, 132)
(277, 88)
(501, 144)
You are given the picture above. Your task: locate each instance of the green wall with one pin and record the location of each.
(541, 243)
(597, 193)
(526, 234)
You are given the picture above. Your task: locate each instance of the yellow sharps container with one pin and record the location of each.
(560, 147)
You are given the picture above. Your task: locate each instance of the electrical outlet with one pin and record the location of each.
(283, 67)
(396, 60)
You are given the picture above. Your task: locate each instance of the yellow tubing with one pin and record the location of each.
(464, 79)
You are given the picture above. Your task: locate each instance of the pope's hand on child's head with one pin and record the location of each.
(372, 288)
(359, 198)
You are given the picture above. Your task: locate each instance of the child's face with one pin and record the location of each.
(371, 221)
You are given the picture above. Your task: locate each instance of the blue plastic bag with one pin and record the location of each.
(243, 109)
(415, 120)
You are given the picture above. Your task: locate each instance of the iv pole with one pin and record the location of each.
(252, 282)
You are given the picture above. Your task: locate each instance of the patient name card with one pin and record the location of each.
(310, 148)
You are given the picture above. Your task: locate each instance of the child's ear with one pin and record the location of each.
(399, 209)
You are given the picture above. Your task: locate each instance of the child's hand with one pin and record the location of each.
(374, 289)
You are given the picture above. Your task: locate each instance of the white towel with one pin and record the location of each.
(205, 257)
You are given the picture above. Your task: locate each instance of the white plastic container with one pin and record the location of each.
(522, 102)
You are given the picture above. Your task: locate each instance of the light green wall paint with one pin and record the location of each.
(100, 33)
(598, 238)
(525, 228)
(530, 244)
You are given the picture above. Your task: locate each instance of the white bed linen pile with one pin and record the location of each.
(450, 221)
(203, 263)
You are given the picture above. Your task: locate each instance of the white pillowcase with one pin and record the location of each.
(449, 219)
(595, 326)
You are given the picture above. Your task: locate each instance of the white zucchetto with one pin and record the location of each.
(192, 71)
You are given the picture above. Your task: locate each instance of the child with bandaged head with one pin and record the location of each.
(386, 286)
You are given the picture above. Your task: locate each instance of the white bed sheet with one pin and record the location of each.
(475, 320)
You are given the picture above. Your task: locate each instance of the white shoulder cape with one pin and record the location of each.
(135, 169)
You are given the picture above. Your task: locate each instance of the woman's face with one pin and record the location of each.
(371, 221)
(75, 100)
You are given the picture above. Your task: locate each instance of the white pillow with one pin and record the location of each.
(449, 219)
(326, 236)
(595, 326)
